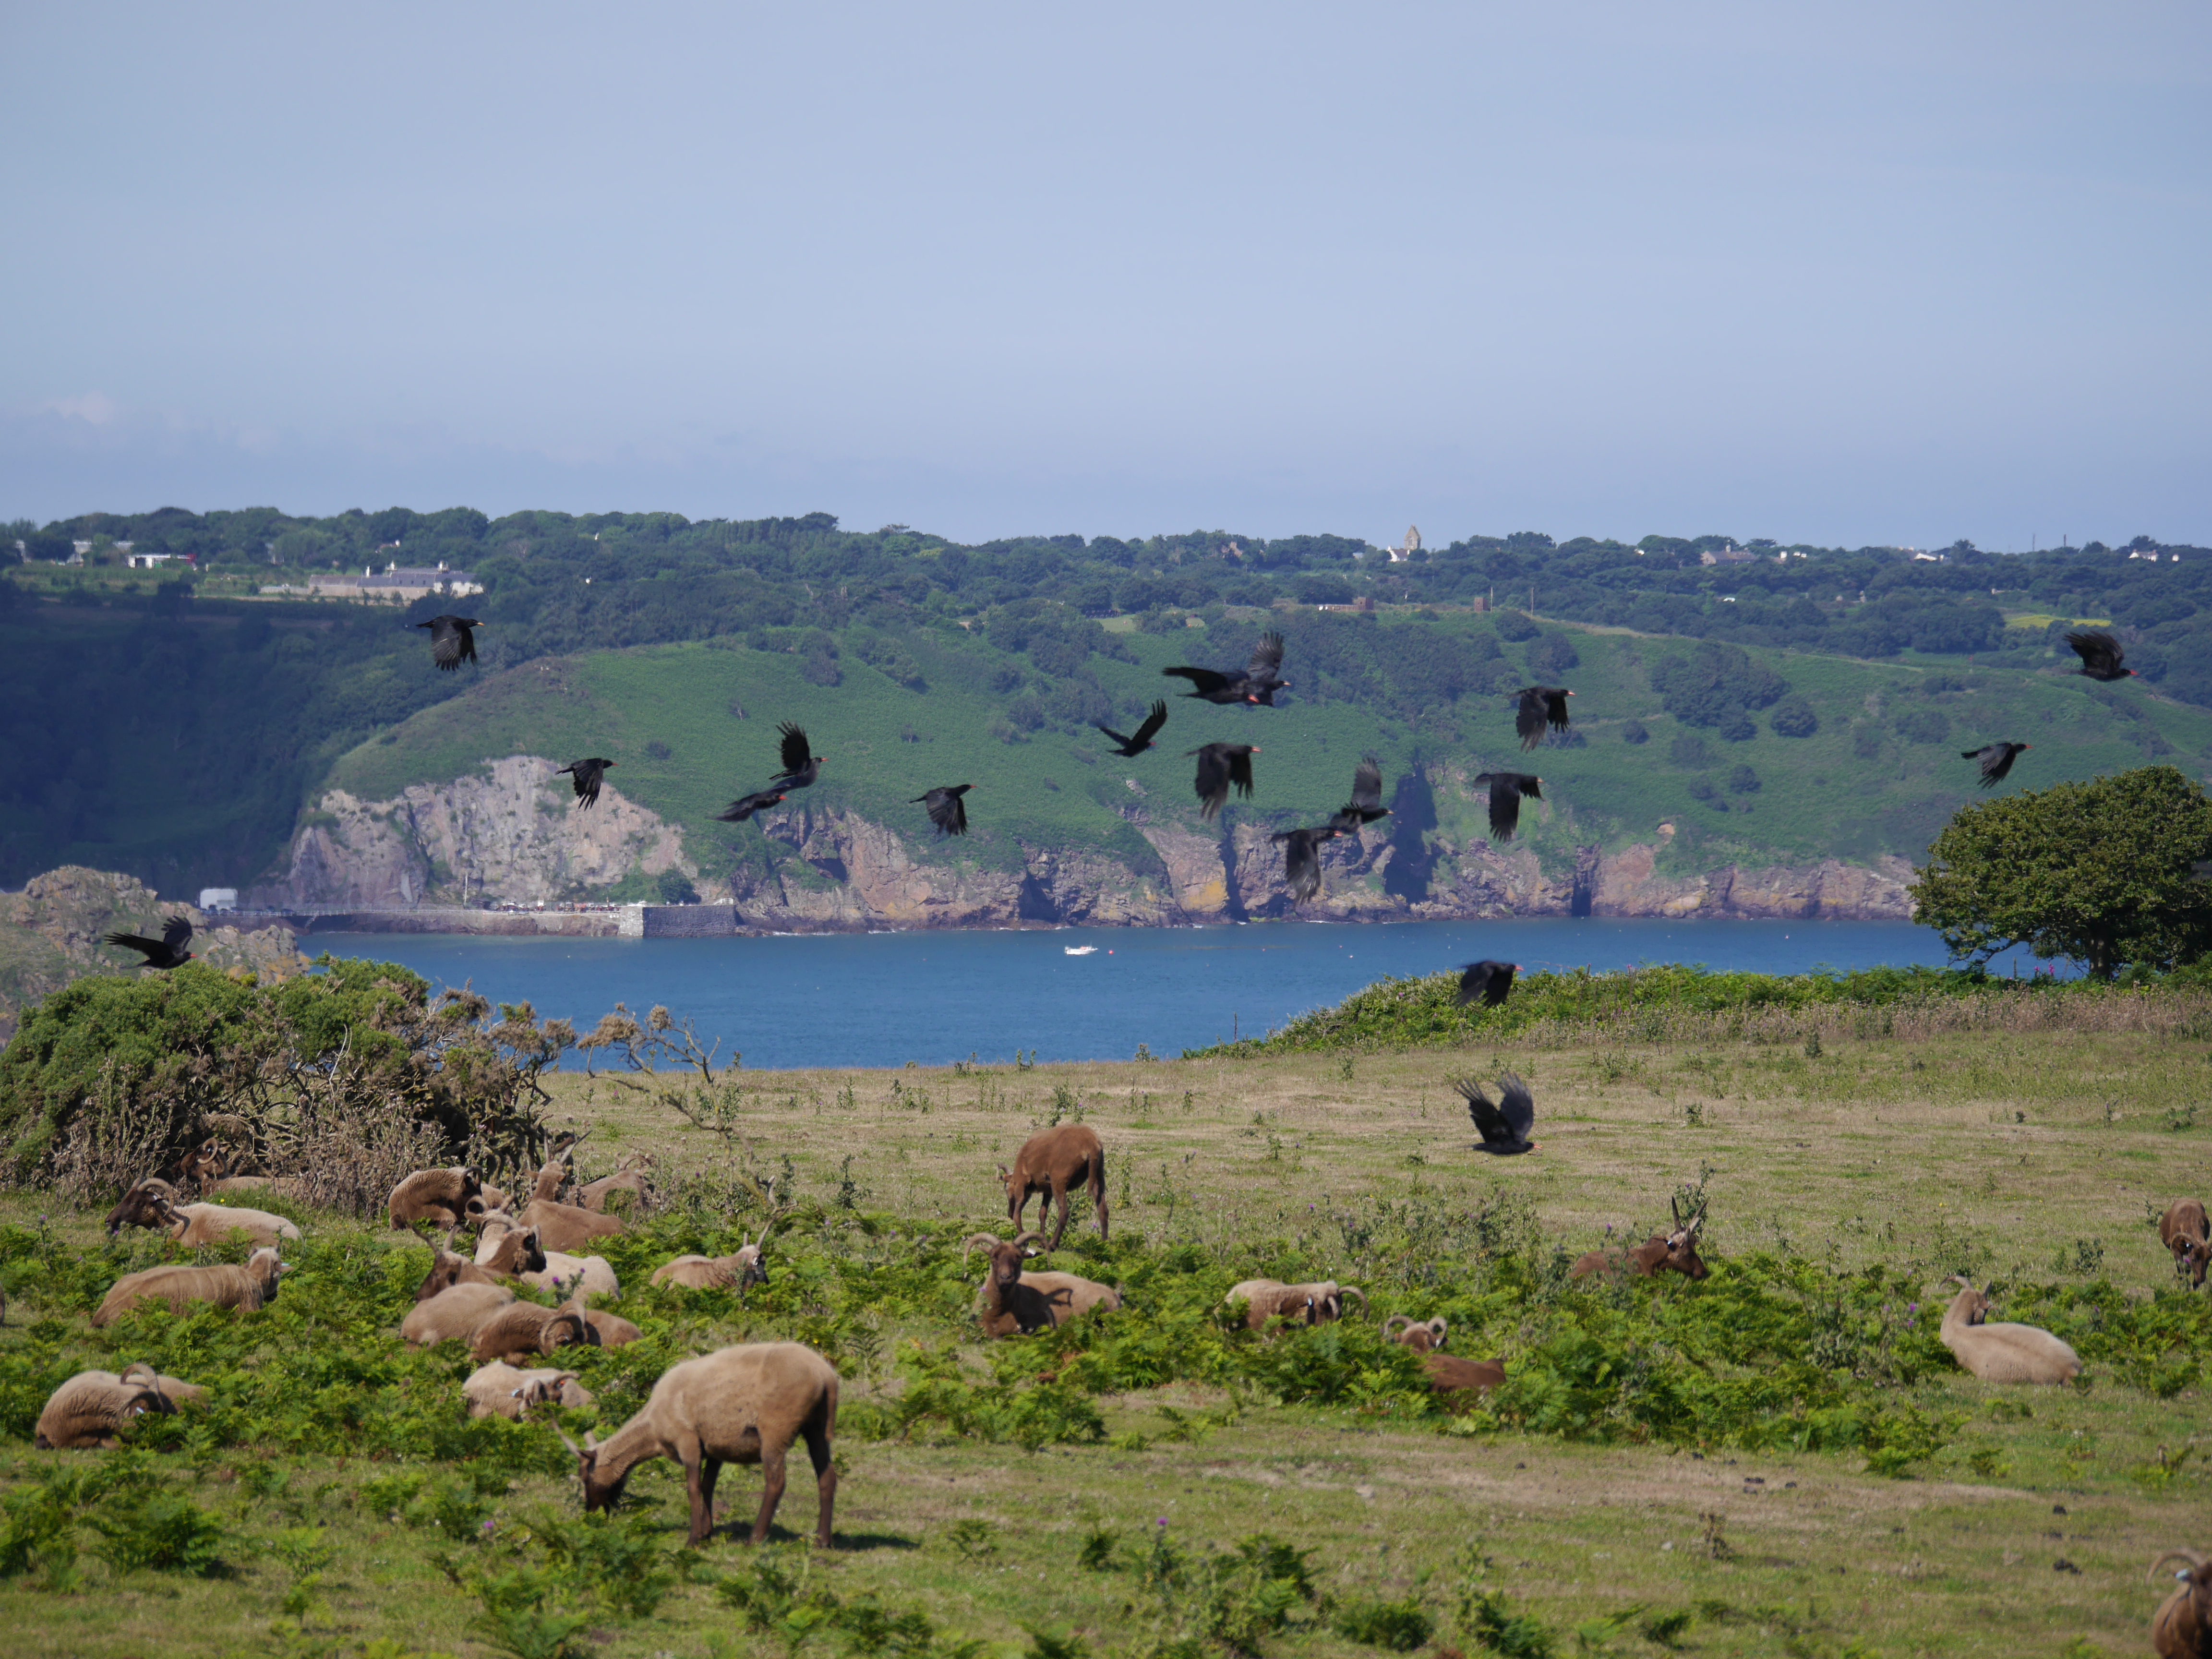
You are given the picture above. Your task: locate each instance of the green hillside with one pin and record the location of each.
(1879, 775)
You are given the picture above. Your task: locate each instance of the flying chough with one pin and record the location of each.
(1506, 789)
(1220, 765)
(1301, 859)
(167, 951)
(1997, 759)
(946, 808)
(1366, 803)
(1504, 1127)
(1133, 746)
(1541, 706)
(800, 768)
(1490, 980)
(2101, 656)
(452, 641)
(588, 774)
(1257, 684)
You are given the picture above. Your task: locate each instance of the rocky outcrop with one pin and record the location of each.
(511, 831)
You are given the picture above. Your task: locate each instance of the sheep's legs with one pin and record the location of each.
(1058, 1190)
(771, 1491)
(1098, 1192)
(825, 1481)
(710, 1471)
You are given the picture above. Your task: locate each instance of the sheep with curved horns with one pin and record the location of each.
(1662, 1253)
(454, 1314)
(1422, 1336)
(441, 1197)
(2182, 1626)
(740, 1269)
(1016, 1300)
(521, 1329)
(1319, 1303)
(248, 1288)
(499, 1389)
(741, 1405)
(2003, 1353)
(175, 1389)
(2185, 1231)
(634, 1177)
(85, 1411)
(1055, 1162)
(153, 1203)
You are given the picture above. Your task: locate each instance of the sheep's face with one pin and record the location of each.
(748, 1269)
(1006, 1267)
(1682, 1255)
(2192, 1257)
(529, 1253)
(146, 1205)
(443, 1276)
(600, 1492)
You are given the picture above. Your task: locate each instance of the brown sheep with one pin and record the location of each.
(1015, 1300)
(447, 1270)
(1321, 1303)
(1675, 1252)
(565, 1227)
(1449, 1374)
(611, 1330)
(549, 1387)
(248, 1288)
(510, 1251)
(195, 1224)
(1422, 1337)
(634, 1177)
(521, 1329)
(2184, 1231)
(500, 1390)
(86, 1411)
(147, 1204)
(441, 1197)
(454, 1314)
(2182, 1627)
(713, 1273)
(1055, 1162)
(741, 1405)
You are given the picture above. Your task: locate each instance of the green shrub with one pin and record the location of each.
(1400, 1626)
(163, 1531)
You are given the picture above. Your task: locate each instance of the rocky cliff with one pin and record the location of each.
(511, 832)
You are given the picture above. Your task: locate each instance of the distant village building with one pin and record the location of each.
(396, 582)
(1730, 555)
(1407, 548)
(145, 560)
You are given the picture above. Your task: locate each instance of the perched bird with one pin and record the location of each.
(587, 774)
(1541, 705)
(800, 768)
(946, 808)
(2101, 655)
(1491, 981)
(1151, 729)
(1301, 859)
(167, 951)
(1506, 789)
(1366, 803)
(1997, 759)
(1219, 766)
(745, 805)
(1503, 1127)
(1257, 684)
(450, 641)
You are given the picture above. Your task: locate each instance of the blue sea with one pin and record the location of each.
(884, 998)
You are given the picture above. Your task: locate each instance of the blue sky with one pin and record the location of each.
(1863, 273)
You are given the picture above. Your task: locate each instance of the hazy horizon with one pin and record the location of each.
(1871, 275)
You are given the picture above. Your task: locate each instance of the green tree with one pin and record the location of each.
(2099, 872)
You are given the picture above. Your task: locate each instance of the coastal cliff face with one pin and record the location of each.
(511, 833)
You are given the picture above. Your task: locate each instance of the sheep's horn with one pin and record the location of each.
(1675, 1205)
(1354, 1290)
(989, 1241)
(2196, 1561)
(1024, 1238)
(565, 1440)
(1397, 1319)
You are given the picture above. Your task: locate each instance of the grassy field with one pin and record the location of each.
(2029, 1147)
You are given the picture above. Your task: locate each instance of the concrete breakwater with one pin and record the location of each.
(616, 921)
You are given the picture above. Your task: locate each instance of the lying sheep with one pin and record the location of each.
(85, 1411)
(1014, 1300)
(565, 1227)
(2182, 1627)
(1321, 1303)
(1421, 1336)
(441, 1197)
(510, 1252)
(195, 1224)
(447, 1270)
(595, 1272)
(736, 1272)
(147, 1204)
(741, 1405)
(520, 1329)
(248, 1288)
(454, 1314)
(634, 1177)
(2002, 1353)
(1448, 1374)
(2184, 1231)
(177, 1392)
(611, 1330)
(1662, 1253)
(500, 1390)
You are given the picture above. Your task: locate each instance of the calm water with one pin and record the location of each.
(884, 998)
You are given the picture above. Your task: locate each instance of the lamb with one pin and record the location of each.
(634, 1177)
(565, 1227)
(741, 1405)
(86, 1411)
(1675, 1253)
(454, 1314)
(248, 1288)
(2184, 1231)
(1420, 1337)
(1017, 1301)
(523, 1329)
(500, 1390)
(441, 1197)
(2182, 1627)
(1448, 1374)
(1055, 1162)
(1321, 1303)
(2003, 1353)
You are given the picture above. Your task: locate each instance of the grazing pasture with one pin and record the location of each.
(1783, 1458)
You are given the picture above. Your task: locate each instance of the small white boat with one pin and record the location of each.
(1079, 950)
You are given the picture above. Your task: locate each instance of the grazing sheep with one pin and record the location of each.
(611, 1330)
(1321, 1303)
(2002, 1353)
(596, 1274)
(86, 1411)
(1421, 1336)
(248, 1288)
(177, 1392)
(1055, 1162)
(147, 1204)
(1448, 1374)
(521, 1329)
(741, 1405)
(454, 1314)
(2184, 1231)
(634, 1177)
(565, 1227)
(441, 1197)
(1669, 1253)
(2182, 1626)
(195, 1224)
(1017, 1301)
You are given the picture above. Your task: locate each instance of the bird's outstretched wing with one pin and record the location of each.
(450, 642)
(586, 775)
(796, 752)
(745, 805)
(1153, 721)
(1516, 1105)
(1211, 781)
(947, 809)
(1301, 861)
(1528, 718)
(176, 933)
(1367, 788)
(2100, 653)
(1204, 680)
(1489, 1123)
(1555, 707)
(152, 947)
(1240, 769)
(1506, 789)
(1492, 981)
(1267, 659)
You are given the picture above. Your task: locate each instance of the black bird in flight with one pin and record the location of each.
(1131, 747)
(587, 774)
(745, 805)
(1541, 705)
(800, 768)
(451, 643)
(1503, 1127)
(1219, 766)
(1490, 980)
(1506, 789)
(946, 808)
(2101, 655)
(167, 951)
(1301, 859)
(1257, 684)
(1997, 759)
(1366, 803)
